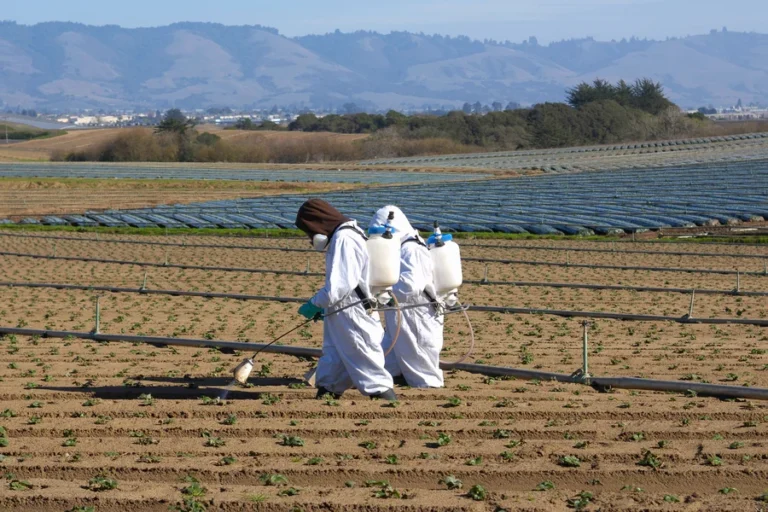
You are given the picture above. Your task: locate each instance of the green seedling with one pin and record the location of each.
(273, 479)
(581, 500)
(19, 485)
(194, 489)
(292, 441)
(546, 485)
(650, 460)
(451, 482)
(453, 402)
(477, 493)
(101, 483)
(569, 461)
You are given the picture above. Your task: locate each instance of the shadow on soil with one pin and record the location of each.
(185, 389)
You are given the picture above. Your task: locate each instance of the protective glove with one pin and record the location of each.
(311, 312)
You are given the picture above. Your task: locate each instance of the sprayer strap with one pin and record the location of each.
(367, 302)
(416, 240)
(353, 228)
(432, 300)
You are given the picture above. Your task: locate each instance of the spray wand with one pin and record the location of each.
(244, 369)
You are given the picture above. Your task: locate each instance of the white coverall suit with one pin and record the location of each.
(352, 350)
(416, 355)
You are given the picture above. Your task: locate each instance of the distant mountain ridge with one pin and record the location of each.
(198, 65)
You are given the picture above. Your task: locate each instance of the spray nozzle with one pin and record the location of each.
(437, 236)
(388, 227)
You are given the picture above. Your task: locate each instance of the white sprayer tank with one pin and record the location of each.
(384, 264)
(446, 259)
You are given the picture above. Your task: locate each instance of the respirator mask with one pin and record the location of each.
(319, 242)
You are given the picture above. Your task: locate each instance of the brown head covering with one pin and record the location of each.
(318, 217)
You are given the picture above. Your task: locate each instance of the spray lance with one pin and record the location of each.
(244, 369)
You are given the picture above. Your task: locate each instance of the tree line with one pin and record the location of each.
(596, 113)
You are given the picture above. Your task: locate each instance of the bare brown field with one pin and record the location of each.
(74, 410)
(77, 140)
(43, 148)
(20, 197)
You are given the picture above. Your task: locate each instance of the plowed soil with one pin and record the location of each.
(73, 410)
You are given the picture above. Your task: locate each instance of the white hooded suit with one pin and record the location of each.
(352, 339)
(416, 355)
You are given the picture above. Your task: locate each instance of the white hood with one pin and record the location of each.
(400, 223)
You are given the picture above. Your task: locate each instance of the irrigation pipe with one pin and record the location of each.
(164, 265)
(600, 383)
(621, 316)
(162, 244)
(583, 286)
(303, 273)
(521, 284)
(613, 267)
(621, 251)
(291, 249)
(495, 309)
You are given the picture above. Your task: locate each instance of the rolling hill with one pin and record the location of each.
(197, 65)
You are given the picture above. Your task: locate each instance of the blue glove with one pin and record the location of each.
(310, 311)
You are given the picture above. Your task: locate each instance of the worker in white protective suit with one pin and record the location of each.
(416, 355)
(352, 350)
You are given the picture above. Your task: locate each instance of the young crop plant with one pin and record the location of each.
(451, 482)
(19, 485)
(384, 490)
(714, 460)
(453, 402)
(101, 483)
(501, 434)
(229, 420)
(273, 479)
(475, 461)
(546, 485)
(214, 442)
(292, 441)
(581, 500)
(650, 460)
(477, 493)
(270, 399)
(392, 459)
(189, 504)
(569, 461)
(368, 445)
(194, 489)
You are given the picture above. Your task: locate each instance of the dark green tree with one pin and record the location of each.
(176, 122)
(244, 123)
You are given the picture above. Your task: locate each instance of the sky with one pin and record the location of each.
(514, 20)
